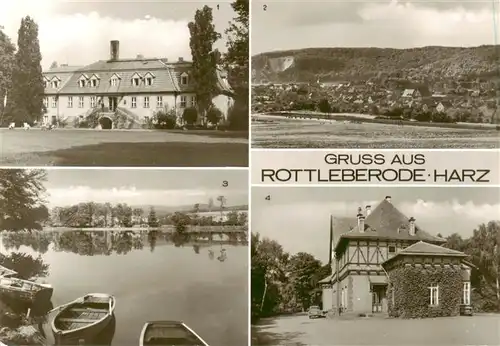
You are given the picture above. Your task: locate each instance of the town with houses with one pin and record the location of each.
(450, 101)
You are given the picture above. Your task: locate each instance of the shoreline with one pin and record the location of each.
(365, 118)
(169, 229)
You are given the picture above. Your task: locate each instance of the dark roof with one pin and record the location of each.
(425, 249)
(387, 222)
(166, 77)
(326, 280)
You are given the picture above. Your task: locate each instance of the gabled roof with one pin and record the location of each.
(56, 78)
(387, 222)
(135, 75)
(94, 76)
(149, 74)
(115, 75)
(429, 250)
(84, 76)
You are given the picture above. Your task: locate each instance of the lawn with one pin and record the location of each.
(83, 147)
(315, 134)
(482, 329)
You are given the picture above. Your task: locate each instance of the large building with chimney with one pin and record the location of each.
(379, 256)
(129, 90)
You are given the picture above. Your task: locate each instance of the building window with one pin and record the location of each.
(159, 101)
(114, 81)
(134, 102)
(392, 249)
(149, 81)
(70, 101)
(183, 101)
(45, 119)
(466, 295)
(81, 83)
(135, 81)
(193, 101)
(184, 79)
(46, 102)
(93, 83)
(93, 101)
(434, 295)
(54, 102)
(146, 101)
(55, 84)
(46, 83)
(81, 102)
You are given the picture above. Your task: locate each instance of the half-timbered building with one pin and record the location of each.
(358, 248)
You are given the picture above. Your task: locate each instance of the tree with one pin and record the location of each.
(25, 101)
(303, 267)
(138, 213)
(214, 115)
(324, 106)
(22, 199)
(54, 65)
(7, 60)
(236, 59)
(181, 221)
(222, 203)
(190, 115)
(152, 219)
(205, 58)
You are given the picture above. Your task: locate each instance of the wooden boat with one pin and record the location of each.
(83, 319)
(169, 333)
(24, 290)
(6, 272)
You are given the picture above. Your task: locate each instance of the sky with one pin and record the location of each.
(145, 187)
(78, 32)
(299, 218)
(287, 24)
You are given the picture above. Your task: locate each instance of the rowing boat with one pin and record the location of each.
(83, 319)
(169, 333)
(6, 272)
(24, 290)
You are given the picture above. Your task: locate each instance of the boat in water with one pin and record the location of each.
(6, 272)
(169, 333)
(83, 319)
(24, 290)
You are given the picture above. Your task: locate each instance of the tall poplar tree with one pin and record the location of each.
(7, 50)
(237, 57)
(205, 58)
(25, 100)
(236, 61)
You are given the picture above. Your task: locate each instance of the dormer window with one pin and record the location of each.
(82, 81)
(184, 79)
(94, 81)
(136, 79)
(148, 79)
(46, 83)
(55, 84)
(115, 80)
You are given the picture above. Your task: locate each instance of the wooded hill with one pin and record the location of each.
(341, 64)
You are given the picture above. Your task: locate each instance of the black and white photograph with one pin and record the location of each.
(375, 74)
(123, 257)
(114, 83)
(375, 265)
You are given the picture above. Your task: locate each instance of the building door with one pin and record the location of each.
(378, 298)
(112, 103)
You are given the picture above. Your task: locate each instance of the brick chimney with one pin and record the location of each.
(388, 199)
(368, 209)
(114, 48)
(361, 222)
(412, 226)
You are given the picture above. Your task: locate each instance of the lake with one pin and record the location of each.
(152, 275)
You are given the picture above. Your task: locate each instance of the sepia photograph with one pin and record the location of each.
(113, 83)
(375, 266)
(123, 257)
(375, 74)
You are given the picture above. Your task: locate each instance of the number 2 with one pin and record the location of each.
(264, 7)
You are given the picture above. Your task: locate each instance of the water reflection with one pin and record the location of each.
(105, 243)
(150, 284)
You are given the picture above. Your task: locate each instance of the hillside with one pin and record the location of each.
(340, 64)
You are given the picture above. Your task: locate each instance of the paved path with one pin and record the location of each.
(446, 331)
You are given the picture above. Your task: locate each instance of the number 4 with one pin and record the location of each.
(268, 197)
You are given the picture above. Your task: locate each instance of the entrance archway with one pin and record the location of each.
(106, 123)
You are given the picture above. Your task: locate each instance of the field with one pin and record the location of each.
(445, 331)
(83, 147)
(286, 133)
